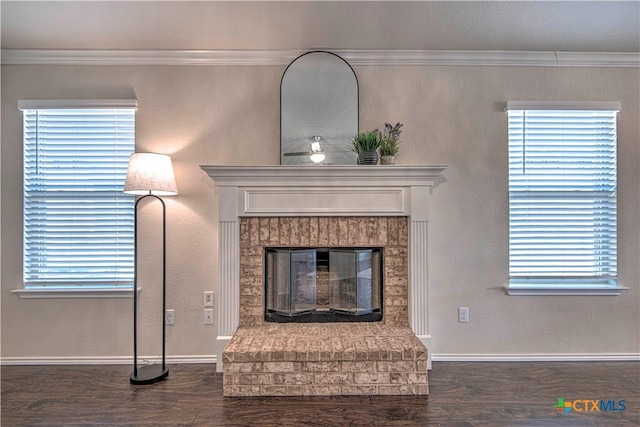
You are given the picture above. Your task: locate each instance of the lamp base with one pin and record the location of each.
(149, 374)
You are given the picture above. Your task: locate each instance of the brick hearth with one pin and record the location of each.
(324, 359)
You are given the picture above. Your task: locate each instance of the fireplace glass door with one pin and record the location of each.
(292, 281)
(354, 281)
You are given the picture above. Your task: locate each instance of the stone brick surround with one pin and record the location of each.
(389, 233)
(325, 359)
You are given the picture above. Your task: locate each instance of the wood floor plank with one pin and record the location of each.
(461, 394)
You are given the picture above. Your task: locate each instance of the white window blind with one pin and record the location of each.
(78, 224)
(562, 195)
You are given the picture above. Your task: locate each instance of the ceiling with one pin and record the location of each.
(581, 26)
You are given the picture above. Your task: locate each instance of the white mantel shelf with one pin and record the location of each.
(259, 191)
(325, 175)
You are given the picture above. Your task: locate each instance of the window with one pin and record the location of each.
(78, 224)
(562, 198)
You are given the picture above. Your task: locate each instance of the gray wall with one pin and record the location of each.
(230, 115)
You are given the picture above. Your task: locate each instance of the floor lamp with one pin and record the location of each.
(149, 175)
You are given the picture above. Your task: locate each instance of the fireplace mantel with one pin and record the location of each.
(262, 191)
(328, 190)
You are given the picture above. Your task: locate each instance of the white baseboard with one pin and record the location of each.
(537, 357)
(107, 360)
(125, 360)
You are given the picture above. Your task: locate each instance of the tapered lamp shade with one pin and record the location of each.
(150, 173)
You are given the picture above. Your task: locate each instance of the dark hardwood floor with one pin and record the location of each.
(461, 394)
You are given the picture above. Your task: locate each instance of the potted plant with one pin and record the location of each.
(389, 143)
(365, 145)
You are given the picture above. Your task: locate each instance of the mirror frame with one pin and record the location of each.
(357, 98)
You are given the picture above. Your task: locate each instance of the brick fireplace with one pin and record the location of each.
(339, 206)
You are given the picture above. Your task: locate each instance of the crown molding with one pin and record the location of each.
(354, 57)
(598, 59)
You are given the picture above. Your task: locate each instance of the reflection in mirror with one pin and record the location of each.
(318, 111)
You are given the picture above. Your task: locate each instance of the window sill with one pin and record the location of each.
(74, 293)
(565, 290)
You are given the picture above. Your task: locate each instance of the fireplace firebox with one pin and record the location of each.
(323, 285)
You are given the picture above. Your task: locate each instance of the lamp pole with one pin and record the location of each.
(151, 373)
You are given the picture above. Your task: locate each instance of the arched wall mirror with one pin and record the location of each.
(318, 111)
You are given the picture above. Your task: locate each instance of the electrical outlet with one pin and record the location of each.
(463, 314)
(208, 316)
(208, 298)
(169, 317)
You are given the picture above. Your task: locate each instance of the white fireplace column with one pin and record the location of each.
(419, 266)
(228, 301)
(265, 191)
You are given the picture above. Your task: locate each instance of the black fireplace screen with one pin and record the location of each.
(323, 284)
